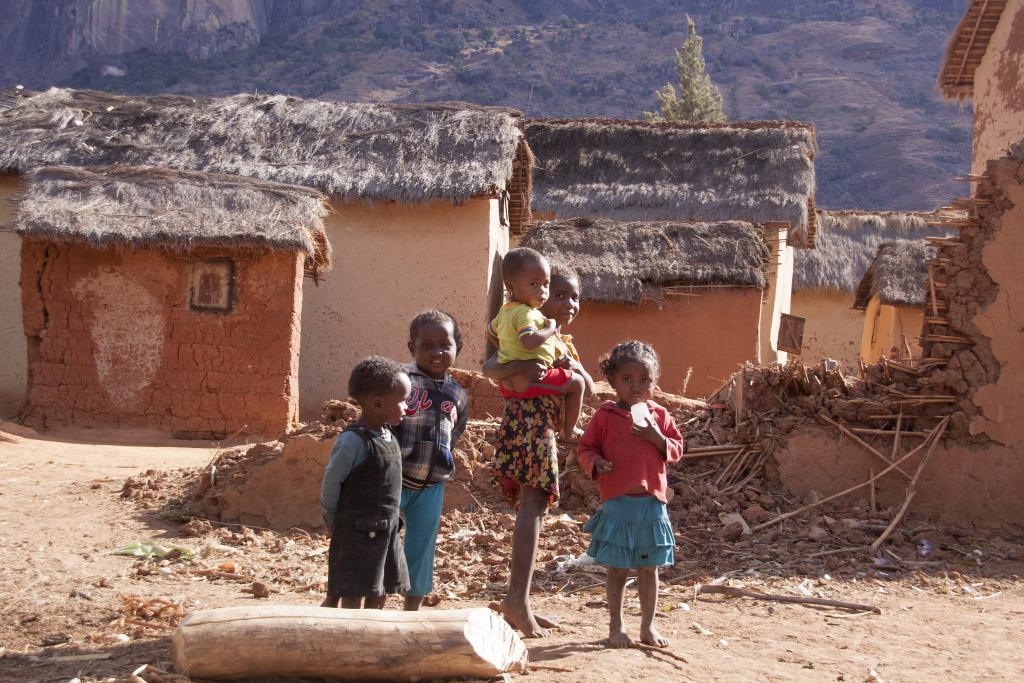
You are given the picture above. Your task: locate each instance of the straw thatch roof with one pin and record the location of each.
(756, 171)
(175, 210)
(408, 153)
(847, 243)
(967, 47)
(628, 262)
(898, 275)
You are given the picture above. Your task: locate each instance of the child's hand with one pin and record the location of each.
(602, 466)
(550, 325)
(565, 362)
(650, 432)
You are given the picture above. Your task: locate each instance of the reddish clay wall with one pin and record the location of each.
(999, 90)
(832, 330)
(960, 484)
(713, 331)
(112, 341)
(1002, 401)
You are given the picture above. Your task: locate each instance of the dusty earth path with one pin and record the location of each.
(62, 593)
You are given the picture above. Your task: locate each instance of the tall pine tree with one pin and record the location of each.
(698, 98)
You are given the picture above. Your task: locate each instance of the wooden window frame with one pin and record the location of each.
(193, 266)
(790, 325)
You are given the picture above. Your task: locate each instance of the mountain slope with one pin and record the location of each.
(862, 71)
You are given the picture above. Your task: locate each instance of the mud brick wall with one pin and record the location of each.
(973, 330)
(113, 341)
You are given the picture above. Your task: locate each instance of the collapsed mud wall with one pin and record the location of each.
(972, 371)
(113, 342)
(277, 484)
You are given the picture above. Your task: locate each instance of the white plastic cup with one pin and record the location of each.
(640, 413)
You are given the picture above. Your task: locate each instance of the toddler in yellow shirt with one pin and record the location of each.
(522, 332)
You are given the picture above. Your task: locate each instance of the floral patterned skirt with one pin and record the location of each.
(527, 450)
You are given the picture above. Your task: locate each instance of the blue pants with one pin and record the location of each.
(422, 510)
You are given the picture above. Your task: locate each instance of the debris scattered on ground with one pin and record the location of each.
(724, 504)
(149, 549)
(144, 617)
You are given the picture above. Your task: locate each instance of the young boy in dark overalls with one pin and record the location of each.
(362, 490)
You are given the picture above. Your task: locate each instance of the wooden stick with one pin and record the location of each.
(896, 441)
(912, 488)
(714, 449)
(874, 477)
(947, 339)
(931, 285)
(904, 368)
(735, 468)
(733, 591)
(659, 650)
(710, 454)
(861, 442)
(895, 452)
(863, 430)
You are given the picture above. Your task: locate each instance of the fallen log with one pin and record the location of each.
(320, 642)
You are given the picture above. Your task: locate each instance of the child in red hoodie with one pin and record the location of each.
(625, 449)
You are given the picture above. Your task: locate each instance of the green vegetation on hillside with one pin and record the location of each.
(698, 98)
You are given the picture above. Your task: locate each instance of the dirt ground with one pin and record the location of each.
(71, 609)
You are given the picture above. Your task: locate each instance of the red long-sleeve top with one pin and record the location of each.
(636, 461)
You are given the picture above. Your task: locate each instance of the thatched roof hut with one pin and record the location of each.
(898, 275)
(629, 262)
(847, 242)
(967, 47)
(756, 171)
(174, 210)
(407, 153)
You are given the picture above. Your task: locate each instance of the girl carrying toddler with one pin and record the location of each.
(526, 463)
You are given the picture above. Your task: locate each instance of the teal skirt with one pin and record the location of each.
(631, 531)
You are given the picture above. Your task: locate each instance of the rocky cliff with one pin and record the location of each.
(47, 39)
(863, 71)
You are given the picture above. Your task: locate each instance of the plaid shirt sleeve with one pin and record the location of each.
(462, 406)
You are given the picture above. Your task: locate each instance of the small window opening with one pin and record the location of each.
(212, 286)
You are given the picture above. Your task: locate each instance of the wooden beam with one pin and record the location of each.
(320, 642)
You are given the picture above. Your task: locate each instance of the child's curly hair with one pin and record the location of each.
(517, 258)
(437, 317)
(632, 350)
(373, 376)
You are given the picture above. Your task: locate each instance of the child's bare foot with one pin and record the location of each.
(618, 638)
(520, 617)
(544, 622)
(651, 637)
